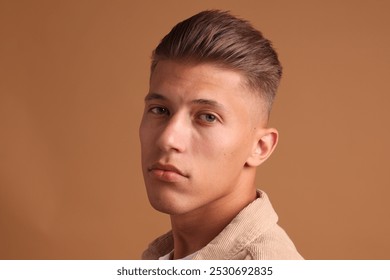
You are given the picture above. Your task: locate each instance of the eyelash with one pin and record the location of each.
(164, 111)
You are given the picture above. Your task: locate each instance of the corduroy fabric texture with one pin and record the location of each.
(252, 235)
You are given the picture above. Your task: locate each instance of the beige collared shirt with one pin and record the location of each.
(252, 235)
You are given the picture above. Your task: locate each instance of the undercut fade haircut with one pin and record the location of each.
(220, 38)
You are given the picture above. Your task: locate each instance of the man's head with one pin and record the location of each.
(204, 129)
(229, 42)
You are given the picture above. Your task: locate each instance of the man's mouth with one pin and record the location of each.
(166, 172)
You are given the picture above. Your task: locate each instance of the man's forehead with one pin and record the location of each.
(204, 72)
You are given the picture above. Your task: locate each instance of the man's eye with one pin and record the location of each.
(210, 118)
(159, 111)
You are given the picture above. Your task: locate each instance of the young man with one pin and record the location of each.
(203, 133)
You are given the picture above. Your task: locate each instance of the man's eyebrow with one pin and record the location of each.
(201, 101)
(151, 96)
(208, 102)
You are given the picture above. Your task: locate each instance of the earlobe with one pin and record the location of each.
(263, 147)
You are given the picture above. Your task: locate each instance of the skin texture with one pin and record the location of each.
(203, 133)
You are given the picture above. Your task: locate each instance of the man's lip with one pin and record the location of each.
(166, 167)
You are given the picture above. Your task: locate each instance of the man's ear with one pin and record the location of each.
(267, 140)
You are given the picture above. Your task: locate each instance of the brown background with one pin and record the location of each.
(72, 79)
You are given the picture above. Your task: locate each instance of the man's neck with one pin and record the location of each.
(193, 231)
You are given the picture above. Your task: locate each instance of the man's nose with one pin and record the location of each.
(175, 134)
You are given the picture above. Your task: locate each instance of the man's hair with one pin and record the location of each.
(218, 37)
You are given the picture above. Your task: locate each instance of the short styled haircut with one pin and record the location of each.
(218, 37)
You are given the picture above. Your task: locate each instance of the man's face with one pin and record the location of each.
(196, 134)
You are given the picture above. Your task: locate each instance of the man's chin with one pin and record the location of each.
(170, 207)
